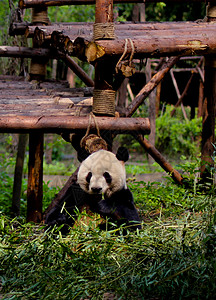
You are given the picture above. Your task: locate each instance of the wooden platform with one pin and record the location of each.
(54, 107)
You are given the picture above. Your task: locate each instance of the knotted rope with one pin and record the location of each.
(124, 53)
(104, 102)
(104, 31)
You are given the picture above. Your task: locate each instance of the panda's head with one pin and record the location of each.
(103, 172)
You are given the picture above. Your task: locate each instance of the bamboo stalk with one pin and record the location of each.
(150, 86)
(59, 124)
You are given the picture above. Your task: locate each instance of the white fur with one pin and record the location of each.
(98, 163)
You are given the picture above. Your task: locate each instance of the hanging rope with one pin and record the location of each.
(92, 142)
(126, 68)
(91, 115)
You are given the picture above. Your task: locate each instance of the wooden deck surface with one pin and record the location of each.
(20, 99)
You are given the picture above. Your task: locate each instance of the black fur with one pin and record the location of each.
(120, 207)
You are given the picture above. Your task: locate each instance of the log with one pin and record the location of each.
(22, 52)
(76, 69)
(150, 86)
(85, 29)
(59, 124)
(158, 45)
(159, 158)
(35, 3)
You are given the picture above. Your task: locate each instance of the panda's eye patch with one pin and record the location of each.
(88, 177)
(107, 177)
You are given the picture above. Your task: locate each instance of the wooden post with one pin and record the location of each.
(36, 140)
(35, 178)
(152, 110)
(17, 185)
(208, 129)
(104, 95)
(38, 66)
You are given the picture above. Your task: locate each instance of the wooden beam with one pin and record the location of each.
(36, 3)
(22, 52)
(122, 29)
(59, 124)
(150, 86)
(76, 69)
(158, 44)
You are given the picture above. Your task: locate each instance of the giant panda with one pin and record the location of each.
(101, 185)
(103, 173)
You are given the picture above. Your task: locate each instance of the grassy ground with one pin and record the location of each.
(171, 257)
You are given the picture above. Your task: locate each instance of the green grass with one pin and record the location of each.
(171, 257)
(168, 259)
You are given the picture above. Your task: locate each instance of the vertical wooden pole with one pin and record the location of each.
(152, 110)
(35, 178)
(104, 94)
(208, 129)
(104, 11)
(36, 140)
(17, 185)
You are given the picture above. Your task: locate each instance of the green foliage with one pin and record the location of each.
(58, 168)
(176, 136)
(6, 183)
(174, 11)
(72, 13)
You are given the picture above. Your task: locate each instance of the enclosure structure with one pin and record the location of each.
(111, 48)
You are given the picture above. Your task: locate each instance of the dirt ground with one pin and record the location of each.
(59, 181)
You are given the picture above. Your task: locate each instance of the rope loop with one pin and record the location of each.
(124, 53)
(91, 115)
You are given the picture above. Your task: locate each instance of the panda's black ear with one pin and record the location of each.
(122, 154)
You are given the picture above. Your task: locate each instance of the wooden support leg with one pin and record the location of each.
(208, 130)
(17, 185)
(35, 178)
